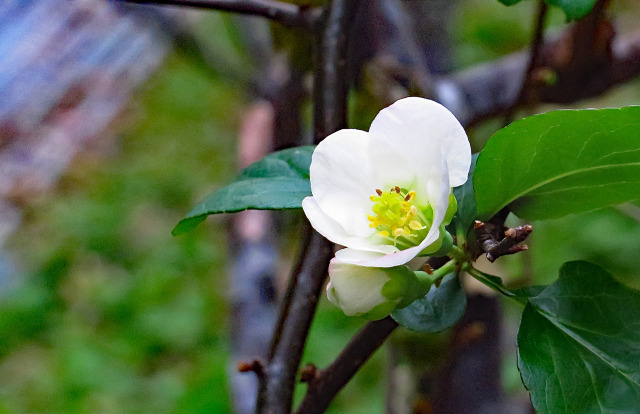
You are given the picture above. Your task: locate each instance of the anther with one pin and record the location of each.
(378, 191)
(397, 189)
(398, 232)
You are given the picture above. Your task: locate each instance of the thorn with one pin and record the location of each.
(244, 366)
(309, 373)
(253, 366)
(427, 268)
(478, 224)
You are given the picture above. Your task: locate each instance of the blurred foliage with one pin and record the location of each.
(117, 315)
(486, 30)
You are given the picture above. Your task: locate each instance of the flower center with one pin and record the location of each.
(398, 219)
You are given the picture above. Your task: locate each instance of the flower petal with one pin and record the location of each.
(353, 256)
(333, 231)
(398, 258)
(390, 164)
(416, 124)
(342, 180)
(356, 289)
(437, 190)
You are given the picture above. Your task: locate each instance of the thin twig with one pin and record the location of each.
(534, 54)
(281, 12)
(330, 106)
(326, 385)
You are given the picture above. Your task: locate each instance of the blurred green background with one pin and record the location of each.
(116, 316)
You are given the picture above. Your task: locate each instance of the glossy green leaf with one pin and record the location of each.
(573, 9)
(579, 344)
(437, 311)
(466, 213)
(509, 2)
(561, 162)
(528, 291)
(278, 181)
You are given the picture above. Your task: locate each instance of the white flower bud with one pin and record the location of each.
(371, 292)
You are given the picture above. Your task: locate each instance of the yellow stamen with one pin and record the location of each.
(397, 219)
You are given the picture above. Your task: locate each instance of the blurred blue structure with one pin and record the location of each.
(67, 69)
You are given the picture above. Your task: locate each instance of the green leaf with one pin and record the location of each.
(278, 181)
(437, 311)
(510, 2)
(528, 291)
(561, 162)
(466, 199)
(579, 344)
(573, 9)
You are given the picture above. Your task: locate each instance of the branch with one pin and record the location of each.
(534, 53)
(285, 307)
(563, 74)
(330, 84)
(282, 369)
(281, 12)
(400, 24)
(496, 240)
(326, 384)
(330, 109)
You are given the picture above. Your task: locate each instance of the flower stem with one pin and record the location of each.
(461, 237)
(495, 283)
(457, 254)
(426, 279)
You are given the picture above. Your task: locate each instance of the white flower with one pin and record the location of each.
(384, 194)
(371, 292)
